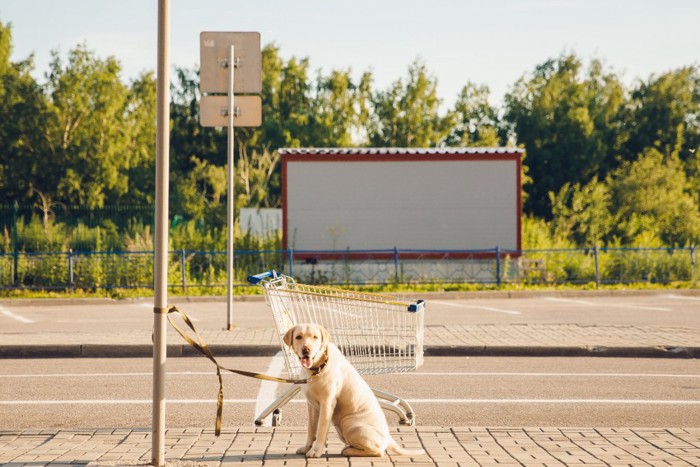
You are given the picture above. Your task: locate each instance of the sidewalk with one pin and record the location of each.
(440, 340)
(445, 447)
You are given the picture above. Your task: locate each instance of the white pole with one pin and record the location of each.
(231, 192)
(160, 266)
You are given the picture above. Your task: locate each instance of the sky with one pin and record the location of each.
(487, 42)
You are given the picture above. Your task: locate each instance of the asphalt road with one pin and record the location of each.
(483, 391)
(664, 308)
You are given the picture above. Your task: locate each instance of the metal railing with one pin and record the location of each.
(187, 268)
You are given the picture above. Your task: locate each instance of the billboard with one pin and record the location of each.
(382, 198)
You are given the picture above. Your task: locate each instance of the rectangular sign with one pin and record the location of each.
(214, 49)
(214, 111)
(352, 199)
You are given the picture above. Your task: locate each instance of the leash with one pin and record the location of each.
(202, 347)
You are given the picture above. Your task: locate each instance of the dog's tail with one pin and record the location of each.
(394, 448)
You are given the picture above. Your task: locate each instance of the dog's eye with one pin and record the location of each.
(315, 337)
(298, 337)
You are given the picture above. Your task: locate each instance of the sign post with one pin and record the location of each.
(231, 62)
(160, 266)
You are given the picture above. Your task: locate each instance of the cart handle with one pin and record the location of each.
(416, 307)
(257, 278)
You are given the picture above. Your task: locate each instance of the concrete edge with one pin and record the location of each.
(422, 295)
(184, 350)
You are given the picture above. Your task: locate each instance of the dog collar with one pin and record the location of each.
(317, 370)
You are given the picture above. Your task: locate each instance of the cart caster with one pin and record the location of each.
(410, 421)
(258, 422)
(276, 418)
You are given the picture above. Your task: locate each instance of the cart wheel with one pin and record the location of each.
(276, 418)
(410, 421)
(258, 422)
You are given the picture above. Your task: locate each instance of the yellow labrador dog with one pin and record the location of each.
(336, 392)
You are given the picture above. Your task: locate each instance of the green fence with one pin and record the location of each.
(599, 266)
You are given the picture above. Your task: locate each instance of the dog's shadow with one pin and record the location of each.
(264, 457)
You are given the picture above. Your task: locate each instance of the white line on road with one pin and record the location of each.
(14, 316)
(476, 307)
(682, 297)
(638, 307)
(619, 305)
(410, 401)
(266, 393)
(568, 300)
(414, 374)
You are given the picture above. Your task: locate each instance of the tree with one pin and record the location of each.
(653, 195)
(477, 120)
(87, 132)
(569, 122)
(664, 113)
(140, 157)
(407, 115)
(339, 109)
(582, 214)
(23, 145)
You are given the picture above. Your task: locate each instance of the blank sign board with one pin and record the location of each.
(428, 199)
(213, 53)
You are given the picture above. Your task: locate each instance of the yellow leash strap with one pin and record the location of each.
(202, 347)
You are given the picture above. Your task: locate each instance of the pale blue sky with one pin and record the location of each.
(487, 42)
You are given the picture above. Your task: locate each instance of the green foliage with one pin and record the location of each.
(569, 120)
(478, 123)
(654, 197)
(406, 115)
(606, 165)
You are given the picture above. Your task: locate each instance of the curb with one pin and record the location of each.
(184, 350)
(477, 294)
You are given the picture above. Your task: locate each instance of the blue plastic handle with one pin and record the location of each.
(263, 275)
(415, 307)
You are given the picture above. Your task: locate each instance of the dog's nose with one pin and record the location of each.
(306, 350)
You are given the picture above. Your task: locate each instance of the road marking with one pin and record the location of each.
(682, 297)
(477, 307)
(266, 393)
(410, 401)
(638, 307)
(618, 305)
(568, 300)
(99, 375)
(414, 374)
(14, 316)
(556, 375)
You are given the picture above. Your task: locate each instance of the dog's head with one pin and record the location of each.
(308, 341)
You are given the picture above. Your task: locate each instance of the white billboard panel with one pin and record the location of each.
(412, 199)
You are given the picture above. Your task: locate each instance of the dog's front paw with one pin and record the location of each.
(315, 451)
(304, 449)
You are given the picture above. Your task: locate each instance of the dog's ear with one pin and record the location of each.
(289, 335)
(325, 335)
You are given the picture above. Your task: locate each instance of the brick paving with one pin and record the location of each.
(445, 447)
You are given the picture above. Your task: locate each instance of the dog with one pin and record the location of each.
(335, 392)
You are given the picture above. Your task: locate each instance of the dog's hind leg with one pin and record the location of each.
(355, 452)
(364, 441)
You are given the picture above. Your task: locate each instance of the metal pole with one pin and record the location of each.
(498, 266)
(597, 267)
(160, 265)
(182, 269)
(231, 198)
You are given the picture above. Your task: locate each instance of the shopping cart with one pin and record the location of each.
(377, 333)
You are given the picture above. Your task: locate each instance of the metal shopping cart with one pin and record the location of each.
(377, 333)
